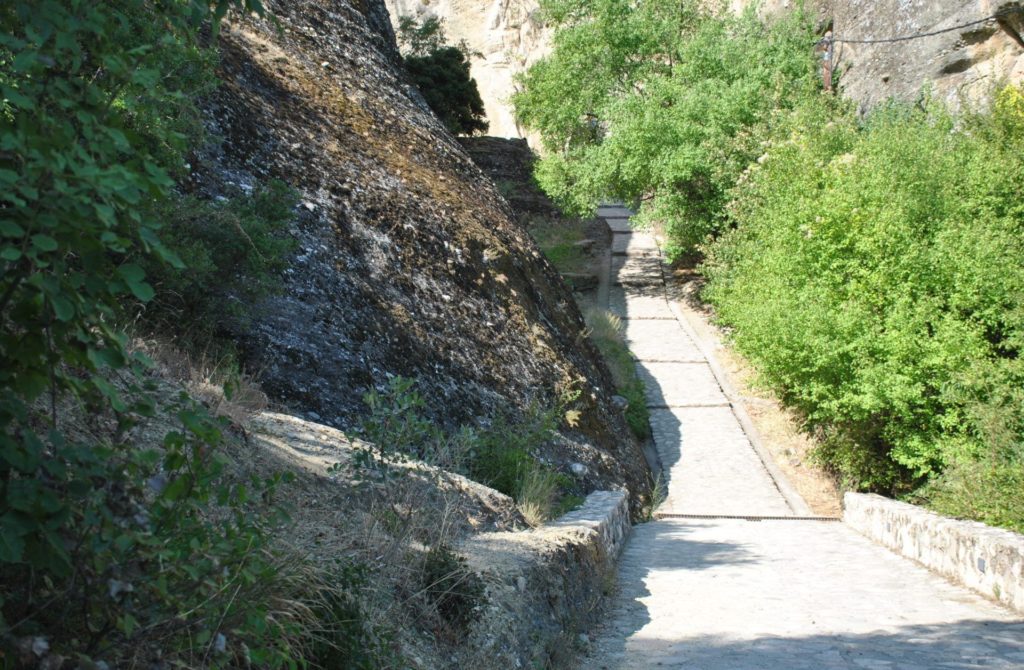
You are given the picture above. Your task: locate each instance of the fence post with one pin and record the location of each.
(828, 49)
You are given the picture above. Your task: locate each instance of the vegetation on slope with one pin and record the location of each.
(871, 268)
(118, 548)
(657, 102)
(875, 274)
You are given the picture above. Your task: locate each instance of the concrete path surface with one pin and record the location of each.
(734, 576)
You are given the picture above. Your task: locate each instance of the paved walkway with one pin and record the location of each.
(704, 591)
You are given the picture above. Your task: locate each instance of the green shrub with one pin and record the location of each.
(236, 249)
(875, 277)
(454, 589)
(109, 550)
(499, 455)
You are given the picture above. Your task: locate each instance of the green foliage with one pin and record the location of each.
(559, 240)
(111, 551)
(875, 277)
(235, 250)
(499, 455)
(421, 38)
(659, 101)
(337, 630)
(442, 74)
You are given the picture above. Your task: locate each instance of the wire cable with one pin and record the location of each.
(905, 38)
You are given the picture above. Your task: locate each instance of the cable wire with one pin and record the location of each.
(905, 38)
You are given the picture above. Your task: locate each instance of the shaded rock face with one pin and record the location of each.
(408, 261)
(508, 36)
(509, 163)
(965, 65)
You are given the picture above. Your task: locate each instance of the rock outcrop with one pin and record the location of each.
(963, 65)
(408, 260)
(508, 37)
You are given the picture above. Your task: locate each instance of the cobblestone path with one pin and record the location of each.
(707, 591)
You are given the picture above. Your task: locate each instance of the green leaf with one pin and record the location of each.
(11, 229)
(63, 308)
(134, 277)
(44, 243)
(12, 547)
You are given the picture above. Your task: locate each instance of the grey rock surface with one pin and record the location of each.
(408, 261)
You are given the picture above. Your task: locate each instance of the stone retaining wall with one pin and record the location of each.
(988, 560)
(546, 585)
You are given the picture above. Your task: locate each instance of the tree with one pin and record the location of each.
(442, 74)
(658, 101)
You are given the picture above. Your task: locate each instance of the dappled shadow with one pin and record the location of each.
(962, 644)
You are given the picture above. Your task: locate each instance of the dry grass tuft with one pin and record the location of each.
(538, 493)
(214, 380)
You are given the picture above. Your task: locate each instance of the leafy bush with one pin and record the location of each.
(661, 102)
(499, 455)
(442, 74)
(455, 590)
(109, 550)
(875, 276)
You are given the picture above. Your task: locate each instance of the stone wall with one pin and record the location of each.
(546, 585)
(988, 560)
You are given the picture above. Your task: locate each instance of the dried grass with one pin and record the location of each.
(214, 380)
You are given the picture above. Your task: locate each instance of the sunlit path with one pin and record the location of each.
(772, 590)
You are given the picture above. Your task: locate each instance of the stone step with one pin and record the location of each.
(619, 226)
(680, 385)
(660, 341)
(710, 466)
(635, 244)
(630, 270)
(614, 211)
(639, 302)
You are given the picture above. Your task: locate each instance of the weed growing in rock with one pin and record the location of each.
(454, 589)
(605, 331)
(500, 455)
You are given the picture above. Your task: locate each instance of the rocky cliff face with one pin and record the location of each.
(507, 35)
(408, 261)
(962, 65)
(965, 64)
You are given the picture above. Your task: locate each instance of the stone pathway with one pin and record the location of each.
(771, 590)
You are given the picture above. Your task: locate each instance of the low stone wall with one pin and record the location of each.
(606, 514)
(544, 586)
(988, 560)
